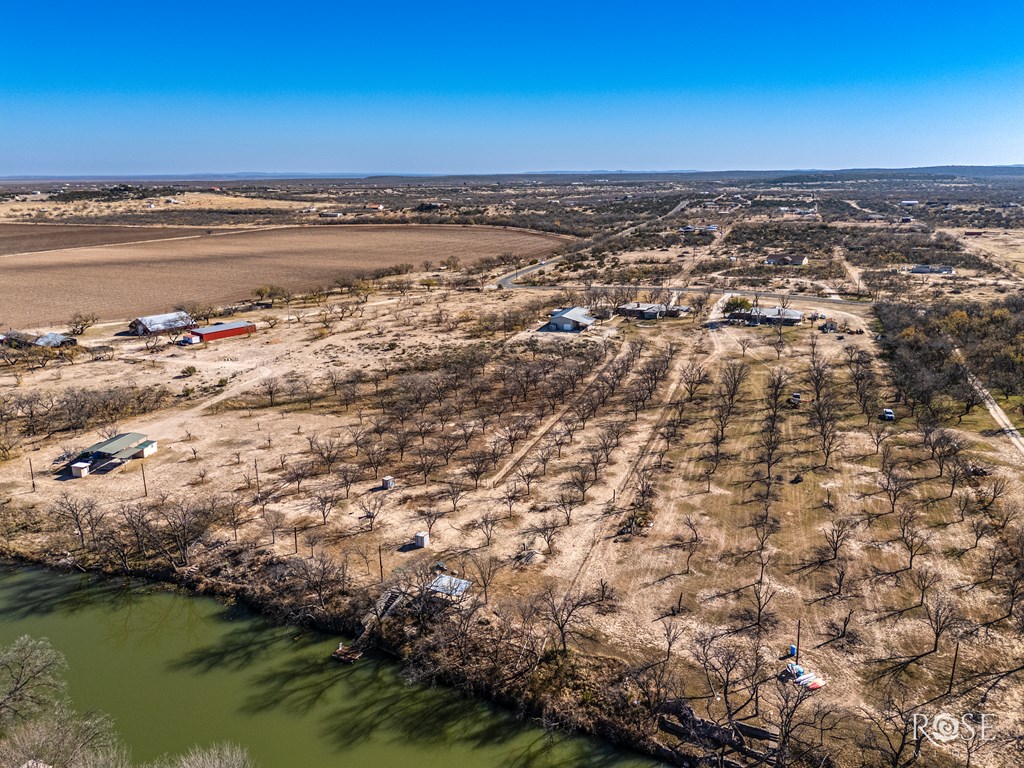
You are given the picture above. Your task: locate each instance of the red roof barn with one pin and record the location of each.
(224, 330)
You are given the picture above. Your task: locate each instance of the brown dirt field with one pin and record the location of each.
(118, 281)
(30, 238)
(1004, 245)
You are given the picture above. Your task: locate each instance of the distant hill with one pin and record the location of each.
(949, 171)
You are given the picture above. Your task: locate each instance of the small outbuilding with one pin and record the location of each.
(224, 330)
(17, 340)
(570, 320)
(449, 586)
(169, 322)
(115, 451)
(422, 539)
(56, 341)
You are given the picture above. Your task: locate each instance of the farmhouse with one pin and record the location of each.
(932, 269)
(224, 330)
(787, 261)
(641, 311)
(166, 323)
(570, 320)
(772, 316)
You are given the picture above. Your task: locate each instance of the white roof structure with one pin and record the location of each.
(169, 321)
(449, 586)
(54, 340)
(640, 306)
(777, 312)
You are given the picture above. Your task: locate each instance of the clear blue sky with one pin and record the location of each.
(112, 87)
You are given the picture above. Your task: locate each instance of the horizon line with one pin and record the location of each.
(267, 175)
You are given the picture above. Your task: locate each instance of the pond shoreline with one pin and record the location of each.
(608, 727)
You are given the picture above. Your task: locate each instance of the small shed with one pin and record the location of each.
(388, 483)
(422, 539)
(449, 586)
(224, 330)
(80, 468)
(55, 340)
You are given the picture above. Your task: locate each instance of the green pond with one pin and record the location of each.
(175, 670)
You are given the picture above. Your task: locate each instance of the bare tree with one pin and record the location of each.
(565, 612)
(371, 505)
(454, 490)
(271, 387)
(75, 513)
(328, 449)
(567, 502)
(487, 524)
(323, 502)
(347, 475)
(430, 516)
(31, 679)
(485, 570)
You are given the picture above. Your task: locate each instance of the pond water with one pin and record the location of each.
(175, 670)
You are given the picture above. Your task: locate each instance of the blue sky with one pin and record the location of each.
(175, 87)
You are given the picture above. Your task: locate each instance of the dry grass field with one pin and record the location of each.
(117, 281)
(698, 557)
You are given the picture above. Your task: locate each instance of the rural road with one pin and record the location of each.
(999, 415)
(508, 281)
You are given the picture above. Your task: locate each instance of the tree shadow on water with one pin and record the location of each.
(248, 642)
(27, 592)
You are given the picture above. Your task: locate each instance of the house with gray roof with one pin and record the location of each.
(569, 320)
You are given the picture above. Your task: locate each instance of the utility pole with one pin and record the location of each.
(32, 474)
(256, 466)
(952, 671)
(797, 659)
(380, 560)
(145, 488)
